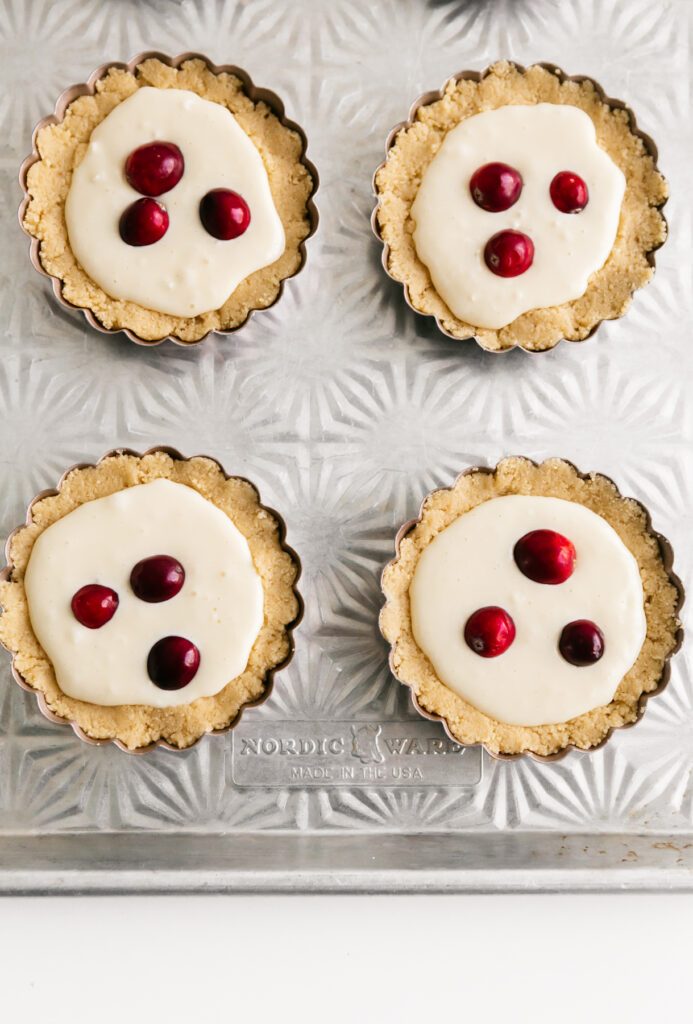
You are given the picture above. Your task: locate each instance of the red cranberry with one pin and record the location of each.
(172, 662)
(93, 606)
(156, 579)
(569, 192)
(545, 556)
(489, 631)
(495, 187)
(143, 223)
(155, 168)
(581, 643)
(224, 213)
(509, 253)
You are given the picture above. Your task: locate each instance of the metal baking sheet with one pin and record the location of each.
(345, 409)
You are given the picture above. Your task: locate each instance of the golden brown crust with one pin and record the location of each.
(559, 479)
(62, 146)
(137, 725)
(642, 227)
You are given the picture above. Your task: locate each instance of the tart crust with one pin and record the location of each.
(642, 227)
(62, 146)
(662, 598)
(139, 726)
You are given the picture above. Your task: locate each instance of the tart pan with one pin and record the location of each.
(667, 557)
(433, 96)
(6, 576)
(88, 88)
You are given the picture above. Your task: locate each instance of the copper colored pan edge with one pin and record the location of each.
(88, 88)
(269, 678)
(667, 556)
(476, 76)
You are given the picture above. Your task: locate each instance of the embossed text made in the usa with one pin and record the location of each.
(410, 753)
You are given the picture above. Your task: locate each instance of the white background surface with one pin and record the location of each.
(361, 959)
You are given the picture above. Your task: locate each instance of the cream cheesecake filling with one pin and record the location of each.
(451, 230)
(219, 608)
(470, 565)
(187, 272)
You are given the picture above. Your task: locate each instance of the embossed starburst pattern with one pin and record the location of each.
(345, 408)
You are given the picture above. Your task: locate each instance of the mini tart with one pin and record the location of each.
(60, 143)
(642, 228)
(138, 727)
(663, 596)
